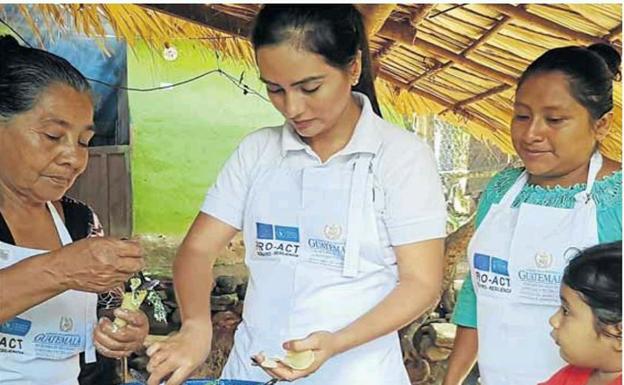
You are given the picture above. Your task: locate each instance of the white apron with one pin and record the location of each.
(41, 345)
(315, 263)
(517, 257)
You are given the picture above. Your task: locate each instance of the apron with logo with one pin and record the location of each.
(316, 263)
(517, 257)
(41, 345)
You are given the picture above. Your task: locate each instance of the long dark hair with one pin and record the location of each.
(596, 274)
(590, 72)
(334, 31)
(26, 72)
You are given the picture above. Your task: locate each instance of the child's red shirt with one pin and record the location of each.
(573, 375)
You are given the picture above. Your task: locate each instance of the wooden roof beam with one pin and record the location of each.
(375, 15)
(471, 114)
(391, 79)
(473, 46)
(206, 17)
(432, 71)
(406, 34)
(486, 36)
(521, 14)
(477, 98)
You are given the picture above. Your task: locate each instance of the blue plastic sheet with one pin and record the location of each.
(86, 55)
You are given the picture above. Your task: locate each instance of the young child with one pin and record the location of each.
(588, 325)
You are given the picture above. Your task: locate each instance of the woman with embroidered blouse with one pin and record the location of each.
(532, 221)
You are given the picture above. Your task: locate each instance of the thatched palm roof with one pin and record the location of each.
(459, 61)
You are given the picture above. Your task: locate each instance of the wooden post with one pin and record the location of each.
(375, 15)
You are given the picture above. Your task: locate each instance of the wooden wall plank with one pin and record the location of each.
(106, 186)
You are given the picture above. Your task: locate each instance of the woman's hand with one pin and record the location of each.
(98, 264)
(92, 264)
(116, 342)
(322, 343)
(178, 356)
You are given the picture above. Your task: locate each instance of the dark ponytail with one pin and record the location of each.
(610, 56)
(334, 31)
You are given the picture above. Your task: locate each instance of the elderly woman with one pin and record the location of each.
(49, 277)
(531, 221)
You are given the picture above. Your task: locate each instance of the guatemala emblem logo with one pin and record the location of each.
(333, 232)
(66, 324)
(543, 260)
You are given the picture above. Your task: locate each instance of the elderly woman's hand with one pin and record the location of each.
(117, 342)
(98, 264)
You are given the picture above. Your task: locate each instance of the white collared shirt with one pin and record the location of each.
(412, 207)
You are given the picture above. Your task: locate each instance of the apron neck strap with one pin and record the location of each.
(357, 198)
(61, 229)
(595, 164)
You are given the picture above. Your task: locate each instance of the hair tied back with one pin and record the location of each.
(611, 57)
(8, 44)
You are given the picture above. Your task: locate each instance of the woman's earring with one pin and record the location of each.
(355, 81)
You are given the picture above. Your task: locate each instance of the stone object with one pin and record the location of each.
(223, 302)
(226, 284)
(427, 349)
(442, 333)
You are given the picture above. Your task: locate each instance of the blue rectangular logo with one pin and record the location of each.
(264, 231)
(499, 266)
(16, 327)
(285, 233)
(482, 262)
